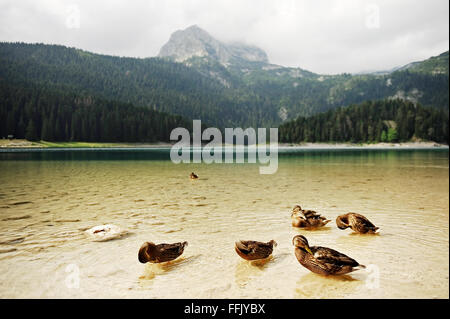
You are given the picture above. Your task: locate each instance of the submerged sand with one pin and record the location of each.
(47, 203)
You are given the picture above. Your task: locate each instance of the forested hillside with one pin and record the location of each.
(35, 113)
(434, 65)
(243, 94)
(379, 121)
(152, 83)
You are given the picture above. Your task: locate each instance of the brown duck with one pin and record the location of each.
(323, 260)
(253, 250)
(193, 176)
(358, 223)
(307, 218)
(150, 252)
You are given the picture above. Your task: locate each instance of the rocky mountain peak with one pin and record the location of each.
(196, 42)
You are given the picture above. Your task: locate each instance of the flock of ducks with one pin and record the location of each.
(317, 259)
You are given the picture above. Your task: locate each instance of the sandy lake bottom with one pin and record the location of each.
(48, 200)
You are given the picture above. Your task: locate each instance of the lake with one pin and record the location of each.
(49, 197)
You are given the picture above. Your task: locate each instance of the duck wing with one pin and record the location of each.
(310, 213)
(332, 257)
(360, 222)
(264, 250)
(360, 219)
(254, 248)
(170, 251)
(300, 221)
(249, 246)
(319, 266)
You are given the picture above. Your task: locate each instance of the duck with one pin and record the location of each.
(193, 176)
(322, 260)
(254, 250)
(358, 223)
(307, 218)
(152, 253)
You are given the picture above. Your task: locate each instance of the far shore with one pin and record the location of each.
(24, 144)
(366, 145)
(20, 143)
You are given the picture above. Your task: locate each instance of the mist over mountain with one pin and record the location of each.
(301, 92)
(195, 42)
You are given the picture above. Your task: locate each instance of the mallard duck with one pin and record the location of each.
(150, 252)
(323, 260)
(193, 176)
(297, 210)
(358, 223)
(253, 250)
(307, 218)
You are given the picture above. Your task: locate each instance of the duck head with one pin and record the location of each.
(273, 243)
(342, 222)
(296, 210)
(145, 250)
(300, 241)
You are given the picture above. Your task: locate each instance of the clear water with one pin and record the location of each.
(48, 198)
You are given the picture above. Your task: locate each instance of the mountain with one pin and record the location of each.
(295, 91)
(434, 65)
(195, 42)
(228, 62)
(224, 85)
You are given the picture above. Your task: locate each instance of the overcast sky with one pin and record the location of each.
(320, 36)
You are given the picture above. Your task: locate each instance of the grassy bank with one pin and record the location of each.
(16, 143)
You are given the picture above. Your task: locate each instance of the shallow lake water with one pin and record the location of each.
(48, 199)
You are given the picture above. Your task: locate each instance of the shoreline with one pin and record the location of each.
(403, 145)
(24, 144)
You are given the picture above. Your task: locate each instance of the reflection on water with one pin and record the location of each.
(316, 286)
(49, 198)
(153, 270)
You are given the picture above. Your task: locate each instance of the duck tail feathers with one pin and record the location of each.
(360, 267)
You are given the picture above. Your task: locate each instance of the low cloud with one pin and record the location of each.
(321, 36)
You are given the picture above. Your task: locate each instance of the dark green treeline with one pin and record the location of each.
(35, 113)
(379, 121)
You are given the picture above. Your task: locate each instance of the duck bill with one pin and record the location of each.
(309, 250)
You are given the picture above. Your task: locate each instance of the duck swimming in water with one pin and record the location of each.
(193, 176)
(253, 250)
(307, 218)
(358, 223)
(323, 260)
(150, 252)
